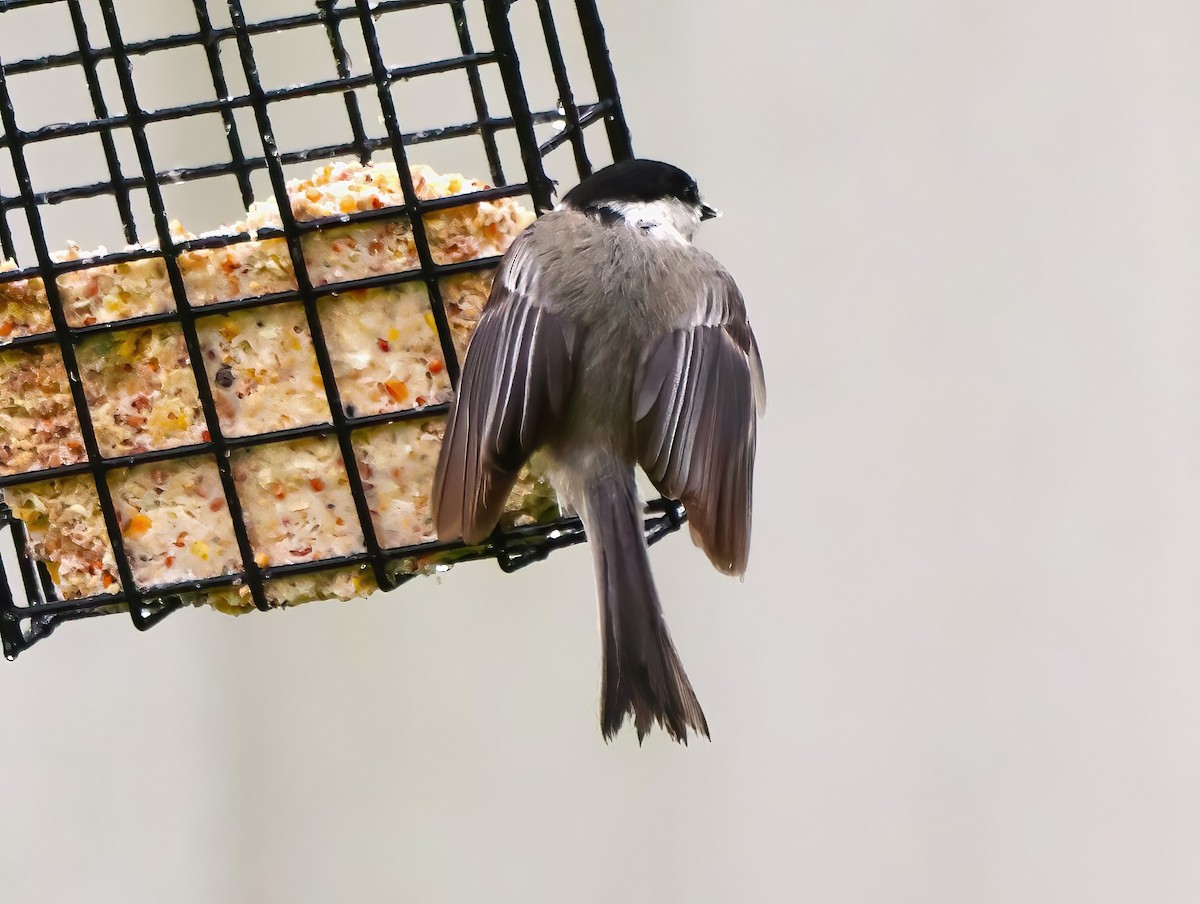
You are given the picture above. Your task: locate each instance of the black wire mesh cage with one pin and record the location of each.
(111, 115)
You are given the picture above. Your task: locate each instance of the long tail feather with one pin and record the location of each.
(642, 672)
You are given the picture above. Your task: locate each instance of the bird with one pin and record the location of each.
(610, 342)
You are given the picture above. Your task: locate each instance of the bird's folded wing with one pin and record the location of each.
(700, 390)
(515, 385)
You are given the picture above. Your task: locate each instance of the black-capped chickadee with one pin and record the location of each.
(610, 341)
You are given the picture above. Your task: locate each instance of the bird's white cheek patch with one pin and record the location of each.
(663, 232)
(662, 220)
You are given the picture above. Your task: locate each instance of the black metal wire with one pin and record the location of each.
(96, 464)
(518, 103)
(92, 72)
(383, 89)
(244, 304)
(566, 97)
(138, 48)
(212, 53)
(486, 128)
(22, 4)
(522, 546)
(292, 92)
(223, 240)
(187, 174)
(10, 626)
(7, 248)
(187, 319)
(308, 296)
(619, 138)
(30, 579)
(342, 61)
(25, 621)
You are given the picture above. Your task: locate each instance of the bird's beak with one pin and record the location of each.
(708, 212)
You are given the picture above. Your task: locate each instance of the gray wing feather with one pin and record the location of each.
(514, 388)
(698, 397)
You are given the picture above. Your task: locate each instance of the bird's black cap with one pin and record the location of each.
(633, 180)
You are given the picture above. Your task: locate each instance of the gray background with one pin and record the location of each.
(965, 663)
